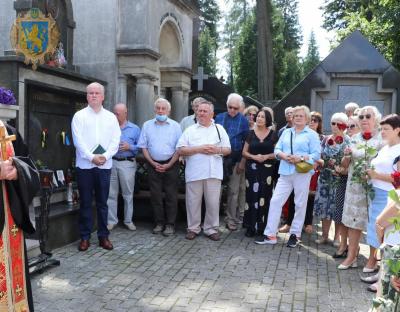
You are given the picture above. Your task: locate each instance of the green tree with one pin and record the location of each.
(312, 58)
(378, 20)
(207, 53)
(287, 39)
(245, 61)
(208, 37)
(291, 30)
(234, 21)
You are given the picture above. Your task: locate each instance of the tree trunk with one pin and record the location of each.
(265, 65)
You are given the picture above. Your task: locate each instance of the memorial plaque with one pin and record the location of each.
(49, 126)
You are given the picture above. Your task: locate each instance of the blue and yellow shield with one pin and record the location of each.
(35, 36)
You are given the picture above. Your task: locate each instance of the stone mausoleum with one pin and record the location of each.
(353, 72)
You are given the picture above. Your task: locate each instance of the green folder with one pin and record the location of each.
(98, 150)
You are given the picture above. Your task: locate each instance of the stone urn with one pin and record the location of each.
(8, 112)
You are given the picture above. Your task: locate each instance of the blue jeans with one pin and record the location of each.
(89, 180)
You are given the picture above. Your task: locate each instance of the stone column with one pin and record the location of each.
(144, 100)
(178, 105)
(122, 89)
(186, 102)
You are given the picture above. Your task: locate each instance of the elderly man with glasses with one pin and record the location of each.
(237, 127)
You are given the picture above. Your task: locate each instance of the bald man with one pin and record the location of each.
(123, 170)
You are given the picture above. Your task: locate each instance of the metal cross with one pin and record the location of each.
(18, 290)
(4, 139)
(14, 230)
(200, 77)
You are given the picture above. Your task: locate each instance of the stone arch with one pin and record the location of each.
(170, 44)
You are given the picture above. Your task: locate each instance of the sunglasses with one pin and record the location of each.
(314, 120)
(351, 127)
(367, 116)
(335, 123)
(233, 107)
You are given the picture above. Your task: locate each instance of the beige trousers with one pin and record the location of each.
(211, 188)
(236, 198)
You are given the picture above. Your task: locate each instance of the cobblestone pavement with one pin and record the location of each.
(147, 272)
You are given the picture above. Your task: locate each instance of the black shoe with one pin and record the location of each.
(293, 241)
(342, 255)
(250, 233)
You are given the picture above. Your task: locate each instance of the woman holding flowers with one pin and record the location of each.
(380, 173)
(363, 147)
(332, 150)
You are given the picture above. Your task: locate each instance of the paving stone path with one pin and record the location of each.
(147, 272)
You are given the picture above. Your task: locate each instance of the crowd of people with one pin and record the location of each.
(271, 175)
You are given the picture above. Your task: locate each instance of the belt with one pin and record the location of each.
(162, 162)
(124, 158)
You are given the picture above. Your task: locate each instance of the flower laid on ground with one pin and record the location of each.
(7, 97)
(361, 165)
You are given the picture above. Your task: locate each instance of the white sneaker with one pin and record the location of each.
(131, 226)
(110, 226)
(266, 241)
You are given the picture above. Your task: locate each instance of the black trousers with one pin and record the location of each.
(167, 182)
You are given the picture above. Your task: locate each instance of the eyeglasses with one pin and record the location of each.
(367, 116)
(233, 107)
(351, 126)
(314, 120)
(251, 114)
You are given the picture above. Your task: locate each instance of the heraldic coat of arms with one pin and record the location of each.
(35, 35)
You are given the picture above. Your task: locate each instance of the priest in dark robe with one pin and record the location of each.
(20, 183)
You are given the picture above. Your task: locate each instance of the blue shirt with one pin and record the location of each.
(305, 143)
(130, 134)
(237, 128)
(160, 139)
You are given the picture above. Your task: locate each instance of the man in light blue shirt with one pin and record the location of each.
(123, 170)
(158, 141)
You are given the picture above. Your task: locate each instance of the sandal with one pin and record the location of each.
(308, 229)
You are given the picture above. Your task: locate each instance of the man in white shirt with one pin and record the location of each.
(96, 135)
(203, 145)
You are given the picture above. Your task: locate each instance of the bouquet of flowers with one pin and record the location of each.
(7, 97)
(361, 165)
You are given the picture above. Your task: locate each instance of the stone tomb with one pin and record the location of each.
(354, 72)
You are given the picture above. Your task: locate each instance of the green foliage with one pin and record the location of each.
(291, 27)
(312, 58)
(207, 52)
(240, 37)
(245, 61)
(378, 20)
(208, 37)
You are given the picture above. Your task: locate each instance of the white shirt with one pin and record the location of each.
(201, 166)
(89, 129)
(383, 163)
(187, 121)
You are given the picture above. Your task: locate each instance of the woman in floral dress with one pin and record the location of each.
(355, 209)
(331, 153)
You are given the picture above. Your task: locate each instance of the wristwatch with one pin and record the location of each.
(301, 158)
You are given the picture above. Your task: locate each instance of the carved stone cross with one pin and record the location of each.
(4, 139)
(200, 77)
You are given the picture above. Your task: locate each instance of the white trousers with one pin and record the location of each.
(122, 174)
(211, 188)
(300, 183)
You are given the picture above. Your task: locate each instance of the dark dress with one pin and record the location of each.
(259, 182)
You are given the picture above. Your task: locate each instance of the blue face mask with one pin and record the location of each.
(161, 118)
